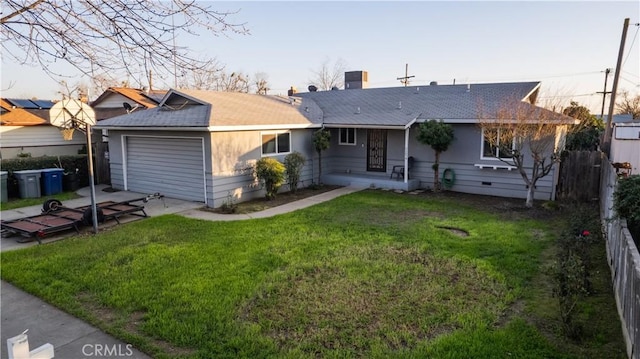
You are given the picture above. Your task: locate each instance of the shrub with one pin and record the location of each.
(293, 163)
(626, 199)
(70, 164)
(626, 202)
(572, 274)
(439, 136)
(271, 172)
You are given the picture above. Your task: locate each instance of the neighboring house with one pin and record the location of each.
(202, 146)
(112, 101)
(625, 141)
(116, 101)
(25, 130)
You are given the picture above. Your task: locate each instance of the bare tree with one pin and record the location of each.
(79, 90)
(260, 81)
(524, 136)
(98, 36)
(100, 83)
(630, 105)
(327, 76)
(205, 78)
(234, 82)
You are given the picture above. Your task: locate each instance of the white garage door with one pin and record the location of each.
(170, 166)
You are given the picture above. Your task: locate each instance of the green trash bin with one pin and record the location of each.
(28, 183)
(3, 184)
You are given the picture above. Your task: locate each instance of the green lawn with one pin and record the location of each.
(371, 274)
(26, 202)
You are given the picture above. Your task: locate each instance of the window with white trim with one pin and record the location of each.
(274, 143)
(499, 138)
(347, 136)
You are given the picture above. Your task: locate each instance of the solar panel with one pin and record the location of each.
(44, 104)
(26, 104)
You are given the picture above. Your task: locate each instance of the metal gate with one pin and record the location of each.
(377, 150)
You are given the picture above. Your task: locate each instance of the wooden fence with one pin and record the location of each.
(624, 261)
(579, 178)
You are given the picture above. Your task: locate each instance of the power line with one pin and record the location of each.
(632, 43)
(635, 83)
(568, 96)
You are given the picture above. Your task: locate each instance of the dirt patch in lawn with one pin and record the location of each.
(508, 208)
(131, 323)
(457, 231)
(372, 297)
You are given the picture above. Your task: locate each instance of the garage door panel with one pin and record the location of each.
(171, 166)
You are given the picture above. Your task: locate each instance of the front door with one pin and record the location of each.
(377, 150)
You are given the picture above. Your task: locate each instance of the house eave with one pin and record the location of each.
(380, 127)
(211, 128)
(492, 120)
(131, 128)
(450, 120)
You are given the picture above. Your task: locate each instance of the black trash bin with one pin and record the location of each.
(70, 182)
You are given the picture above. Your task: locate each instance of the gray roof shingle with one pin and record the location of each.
(377, 107)
(222, 110)
(397, 106)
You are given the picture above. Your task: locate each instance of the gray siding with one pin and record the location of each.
(461, 157)
(234, 155)
(115, 100)
(41, 140)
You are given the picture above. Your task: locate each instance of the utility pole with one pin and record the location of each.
(604, 92)
(405, 80)
(609, 128)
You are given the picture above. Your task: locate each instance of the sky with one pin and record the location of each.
(565, 45)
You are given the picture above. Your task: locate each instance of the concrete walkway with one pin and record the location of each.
(71, 337)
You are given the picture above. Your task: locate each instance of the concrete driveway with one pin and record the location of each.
(153, 208)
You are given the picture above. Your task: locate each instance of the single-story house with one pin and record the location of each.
(25, 130)
(201, 145)
(375, 129)
(625, 141)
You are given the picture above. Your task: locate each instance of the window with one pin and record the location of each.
(347, 136)
(276, 143)
(501, 139)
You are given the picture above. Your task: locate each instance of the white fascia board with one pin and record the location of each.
(129, 128)
(536, 88)
(475, 120)
(408, 125)
(380, 127)
(449, 120)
